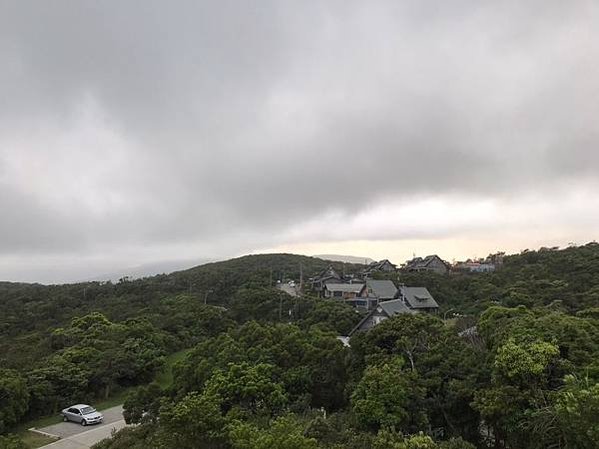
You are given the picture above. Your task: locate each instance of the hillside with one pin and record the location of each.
(81, 342)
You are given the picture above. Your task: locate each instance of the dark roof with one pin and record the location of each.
(394, 307)
(391, 308)
(350, 288)
(418, 297)
(327, 273)
(419, 262)
(381, 289)
(377, 265)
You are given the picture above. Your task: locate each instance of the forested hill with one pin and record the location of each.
(269, 361)
(31, 311)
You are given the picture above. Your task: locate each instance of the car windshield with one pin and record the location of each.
(87, 410)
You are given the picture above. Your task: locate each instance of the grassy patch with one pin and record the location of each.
(165, 377)
(34, 440)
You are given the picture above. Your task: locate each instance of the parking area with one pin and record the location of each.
(76, 436)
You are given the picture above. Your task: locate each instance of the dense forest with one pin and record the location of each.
(265, 370)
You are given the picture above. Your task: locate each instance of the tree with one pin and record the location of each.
(387, 395)
(250, 387)
(282, 433)
(143, 404)
(14, 398)
(577, 409)
(194, 421)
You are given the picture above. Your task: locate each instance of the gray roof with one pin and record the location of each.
(418, 297)
(419, 262)
(382, 289)
(350, 288)
(391, 308)
(328, 273)
(394, 307)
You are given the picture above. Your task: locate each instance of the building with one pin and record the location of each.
(491, 263)
(355, 295)
(383, 311)
(344, 291)
(383, 290)
(474, 267)
(383, 266)
(431, 263)
(328, 275)
(418, 299)
(410, 300)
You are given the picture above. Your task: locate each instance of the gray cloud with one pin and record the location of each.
(147, 124)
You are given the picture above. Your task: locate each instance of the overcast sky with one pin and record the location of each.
(136, 132)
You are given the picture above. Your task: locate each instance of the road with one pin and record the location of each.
(76, 436)
(288, 289)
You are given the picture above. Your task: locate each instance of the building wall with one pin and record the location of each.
(437, 266)
(387, 267)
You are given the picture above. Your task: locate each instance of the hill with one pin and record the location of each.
(80, 342)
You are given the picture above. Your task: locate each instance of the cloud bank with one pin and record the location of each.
(133, 132)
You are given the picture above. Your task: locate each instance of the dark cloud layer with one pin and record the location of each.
(153, 123)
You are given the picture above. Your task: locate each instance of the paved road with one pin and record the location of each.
(288, 289)
(76, 436)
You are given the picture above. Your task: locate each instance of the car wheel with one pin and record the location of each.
(83, 422)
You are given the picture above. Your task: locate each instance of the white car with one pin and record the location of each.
(83, 414)
(291, 283)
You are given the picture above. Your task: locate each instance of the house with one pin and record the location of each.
(491, 263)
(383, 290)
(383, 266)
(383, 311)
(418, 299)
(474, 267)
(343, 291)
(325, 276)
(410, 300)
(430, 263)
(354, 294)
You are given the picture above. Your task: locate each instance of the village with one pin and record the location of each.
(381, 299)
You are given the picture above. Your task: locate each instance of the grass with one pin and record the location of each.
(34, 440)
(165, 377)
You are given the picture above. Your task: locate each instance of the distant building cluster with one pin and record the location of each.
(491, 263)
(365, 293)
(383, 299)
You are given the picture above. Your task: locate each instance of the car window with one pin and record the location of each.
(73, 410)
(87, 410)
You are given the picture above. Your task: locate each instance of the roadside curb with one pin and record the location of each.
(46, 434)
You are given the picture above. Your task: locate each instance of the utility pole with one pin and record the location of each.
(270, 280)
(206, 296)
(301, 287)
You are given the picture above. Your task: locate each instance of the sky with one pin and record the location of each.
(135, 133)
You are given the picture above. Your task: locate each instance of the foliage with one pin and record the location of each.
(576, 409)
(282, 433)
(14, 398)
(266, 370)
(388, 396)
(11, 442)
